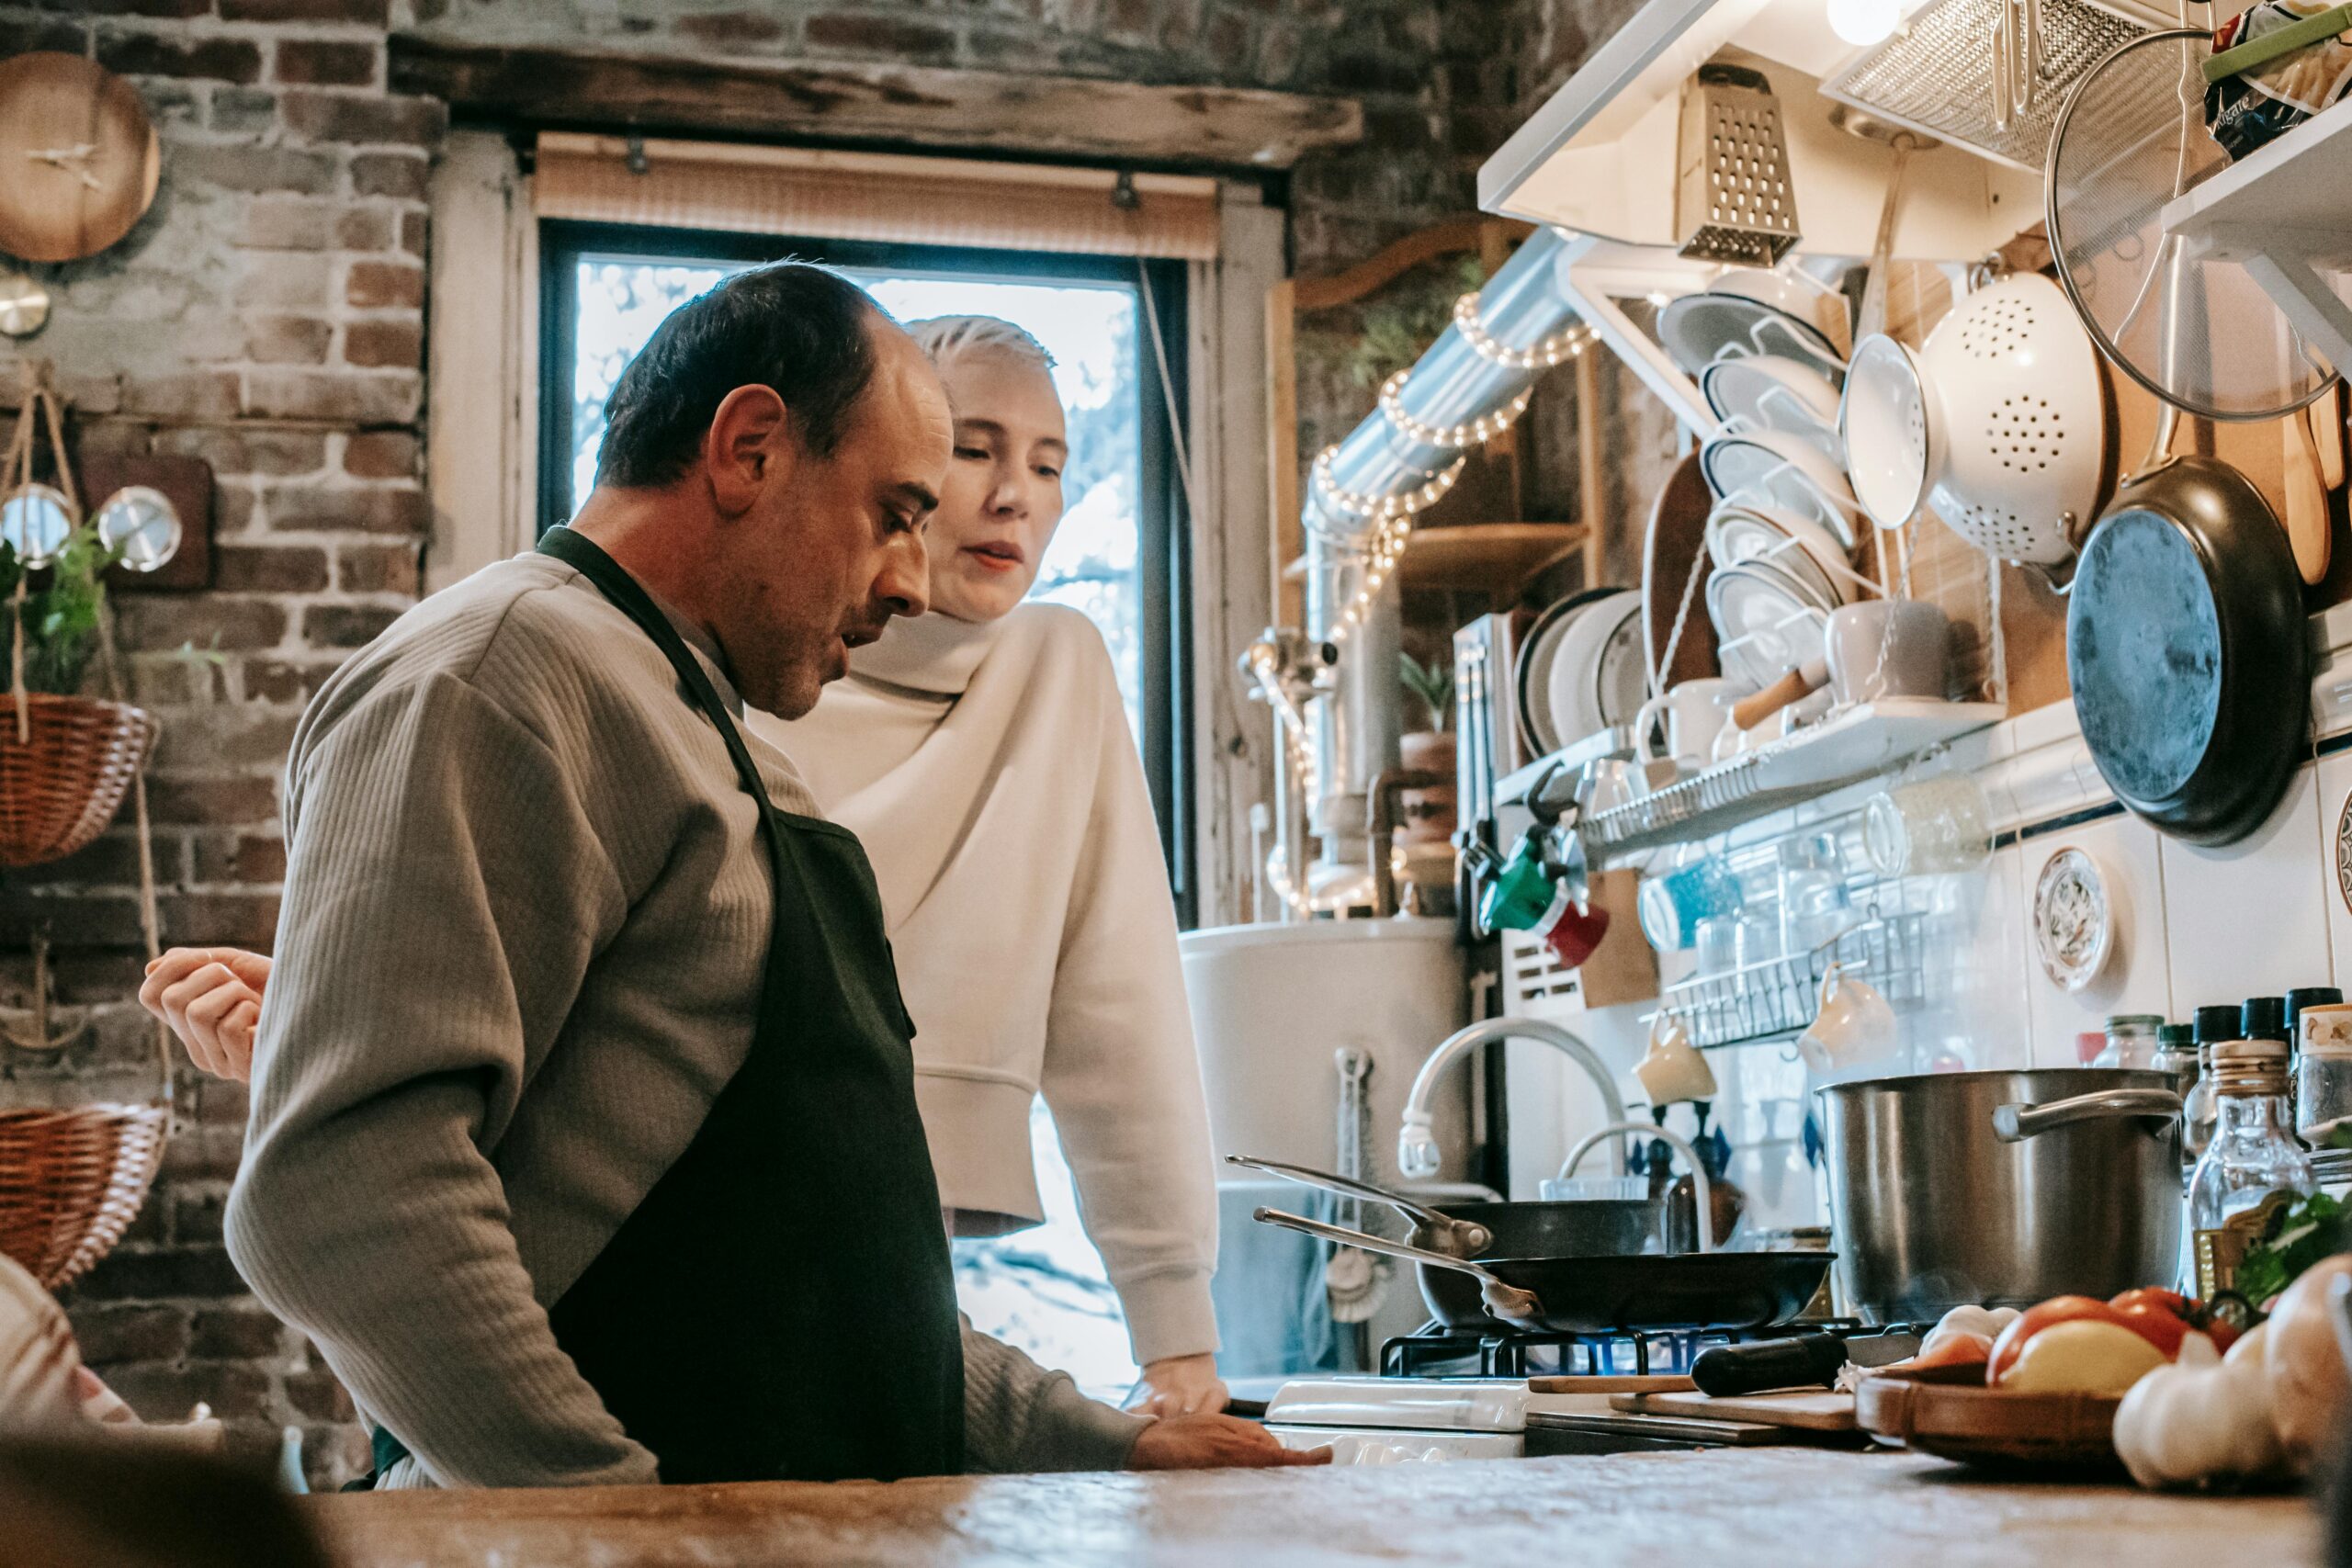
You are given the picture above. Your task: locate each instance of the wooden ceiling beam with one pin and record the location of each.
(893, 105)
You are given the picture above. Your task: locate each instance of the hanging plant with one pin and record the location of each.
(62, 606)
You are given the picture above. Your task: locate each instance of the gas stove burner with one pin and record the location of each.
(1434, 1351)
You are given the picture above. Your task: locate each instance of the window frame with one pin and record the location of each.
(1164, 549)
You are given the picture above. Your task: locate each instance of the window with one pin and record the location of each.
(1118, 556)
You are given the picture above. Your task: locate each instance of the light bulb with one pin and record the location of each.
(1864, 22)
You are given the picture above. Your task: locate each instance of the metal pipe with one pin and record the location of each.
(1379, 810)
(1702, 1191)
(1417, 1150)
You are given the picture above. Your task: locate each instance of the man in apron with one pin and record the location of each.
(584, 1140)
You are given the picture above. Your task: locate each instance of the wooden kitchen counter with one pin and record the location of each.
(1729, 1507)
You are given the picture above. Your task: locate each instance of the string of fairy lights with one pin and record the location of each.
(1379, 526)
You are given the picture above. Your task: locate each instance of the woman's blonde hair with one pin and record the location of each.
(944, 338)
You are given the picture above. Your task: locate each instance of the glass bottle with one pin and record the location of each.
(2214, 1024)
(2253, 1164)
(1814, 906)
(2264, 1018)
(2131, 1041)
(2304, 997)
(2176, 1054)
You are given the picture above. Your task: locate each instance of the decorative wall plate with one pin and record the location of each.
(2344, 853)
(2074, 925)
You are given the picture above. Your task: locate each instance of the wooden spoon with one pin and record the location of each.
(2306, 500)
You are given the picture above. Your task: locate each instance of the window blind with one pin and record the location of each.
(873, 195)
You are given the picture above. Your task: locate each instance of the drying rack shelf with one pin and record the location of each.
(1857, 744)
(2285, 212)
(1776, 998)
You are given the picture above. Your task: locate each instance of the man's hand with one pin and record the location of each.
(1214, 1442)
(212, 997)
(1180, 1385)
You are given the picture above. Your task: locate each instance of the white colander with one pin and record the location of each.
(2019, 421)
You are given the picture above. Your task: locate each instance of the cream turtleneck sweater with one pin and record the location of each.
(990, 774)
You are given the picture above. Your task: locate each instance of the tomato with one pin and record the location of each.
(2163, 1316)
(2034, 1319)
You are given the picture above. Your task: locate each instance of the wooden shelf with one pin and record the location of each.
(1477, 557)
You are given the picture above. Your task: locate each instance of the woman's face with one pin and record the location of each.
(1003, 495)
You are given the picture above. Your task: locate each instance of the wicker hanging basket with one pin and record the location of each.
(71, 1181)
(64, 780)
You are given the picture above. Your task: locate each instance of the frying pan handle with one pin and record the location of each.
(1469, 1237)
(2015, 1124)
(1346, 1237)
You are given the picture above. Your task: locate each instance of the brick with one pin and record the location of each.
(345, 626)
(182, 9)
(283, 681)
(113, 1332)
(729, 30)
(233, 1390)
(397, 175)
(376, 285)
(384, 345)
(412, 228)
(288, 340)
(256, 169)
(361, 13)
(138, 1275)
(907, 42)
(284, 278)
(196, 1215)
(232, 451)
(237, 1333)
(209, 1153)
(216, 920)
(380, 455)
(212, 802)
(108, 861)
(379, 569)
(340, 396)
(356, 509)
(209, 621)
(249, 858)
(269, 569)
(109, 919)
(243, 111)
(363, 119)
(315, 1393)
(324, 63)
(288, 224)
(184, 394)
(154, 54)
(23, 35)
(364, 228)
(226, 740)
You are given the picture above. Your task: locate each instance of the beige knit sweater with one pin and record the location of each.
(524, 914)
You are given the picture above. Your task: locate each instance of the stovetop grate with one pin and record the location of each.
(1434, 1351)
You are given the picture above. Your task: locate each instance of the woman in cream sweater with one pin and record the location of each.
(982, 755)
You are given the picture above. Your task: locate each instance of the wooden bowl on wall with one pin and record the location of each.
(81, 157)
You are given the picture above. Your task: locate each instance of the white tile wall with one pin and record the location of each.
(2247, 921)
(2137, 977)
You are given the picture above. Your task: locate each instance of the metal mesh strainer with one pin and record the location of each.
(2199, 334)
(1937, 75)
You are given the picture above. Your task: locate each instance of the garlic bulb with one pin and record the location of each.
(2309, 1390)
(38, 1356)
(2202, 1417)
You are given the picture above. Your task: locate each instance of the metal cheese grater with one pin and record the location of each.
(1947, 71)
(1732, 198)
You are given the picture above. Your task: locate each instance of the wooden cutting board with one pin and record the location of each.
(1806, 1410)
(1661, 1384)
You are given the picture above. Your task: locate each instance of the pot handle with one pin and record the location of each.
(1503, 1299)
(1469, 1237)
(2015, 1124)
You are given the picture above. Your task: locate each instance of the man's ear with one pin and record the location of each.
(748, 435)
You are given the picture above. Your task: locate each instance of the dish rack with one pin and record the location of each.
(1775, 999)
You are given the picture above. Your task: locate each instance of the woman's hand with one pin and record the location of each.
(1214, 1442)
(212, 997)
(1180, 1385)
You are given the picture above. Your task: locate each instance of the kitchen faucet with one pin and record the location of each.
(1417, 1151)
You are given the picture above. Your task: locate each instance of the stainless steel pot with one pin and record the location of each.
(2001, 1189)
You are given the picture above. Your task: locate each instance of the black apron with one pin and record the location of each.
(780, 1306)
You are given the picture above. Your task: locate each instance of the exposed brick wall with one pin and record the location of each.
(268, 316)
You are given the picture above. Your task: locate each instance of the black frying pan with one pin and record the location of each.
(1576, 1227)
(2186, 649)
(1599, 1295)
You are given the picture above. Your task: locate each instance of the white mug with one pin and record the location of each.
(1854, 1026)
(1695, 714)
(1673, 1069)
(1883, 648)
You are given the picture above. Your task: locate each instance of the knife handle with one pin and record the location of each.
(1803, 1360)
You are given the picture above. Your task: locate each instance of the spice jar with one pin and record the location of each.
(2323, 1072)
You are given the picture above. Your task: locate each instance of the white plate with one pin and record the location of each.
(1534, 672)
(1797, 292)
(1599, 676)
(1738, 533)
(1699, 329)
(1766, 625)
(1782, 472)
(1768, 392)
(1888, 434)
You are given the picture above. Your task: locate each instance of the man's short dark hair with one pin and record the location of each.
(802, 330)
